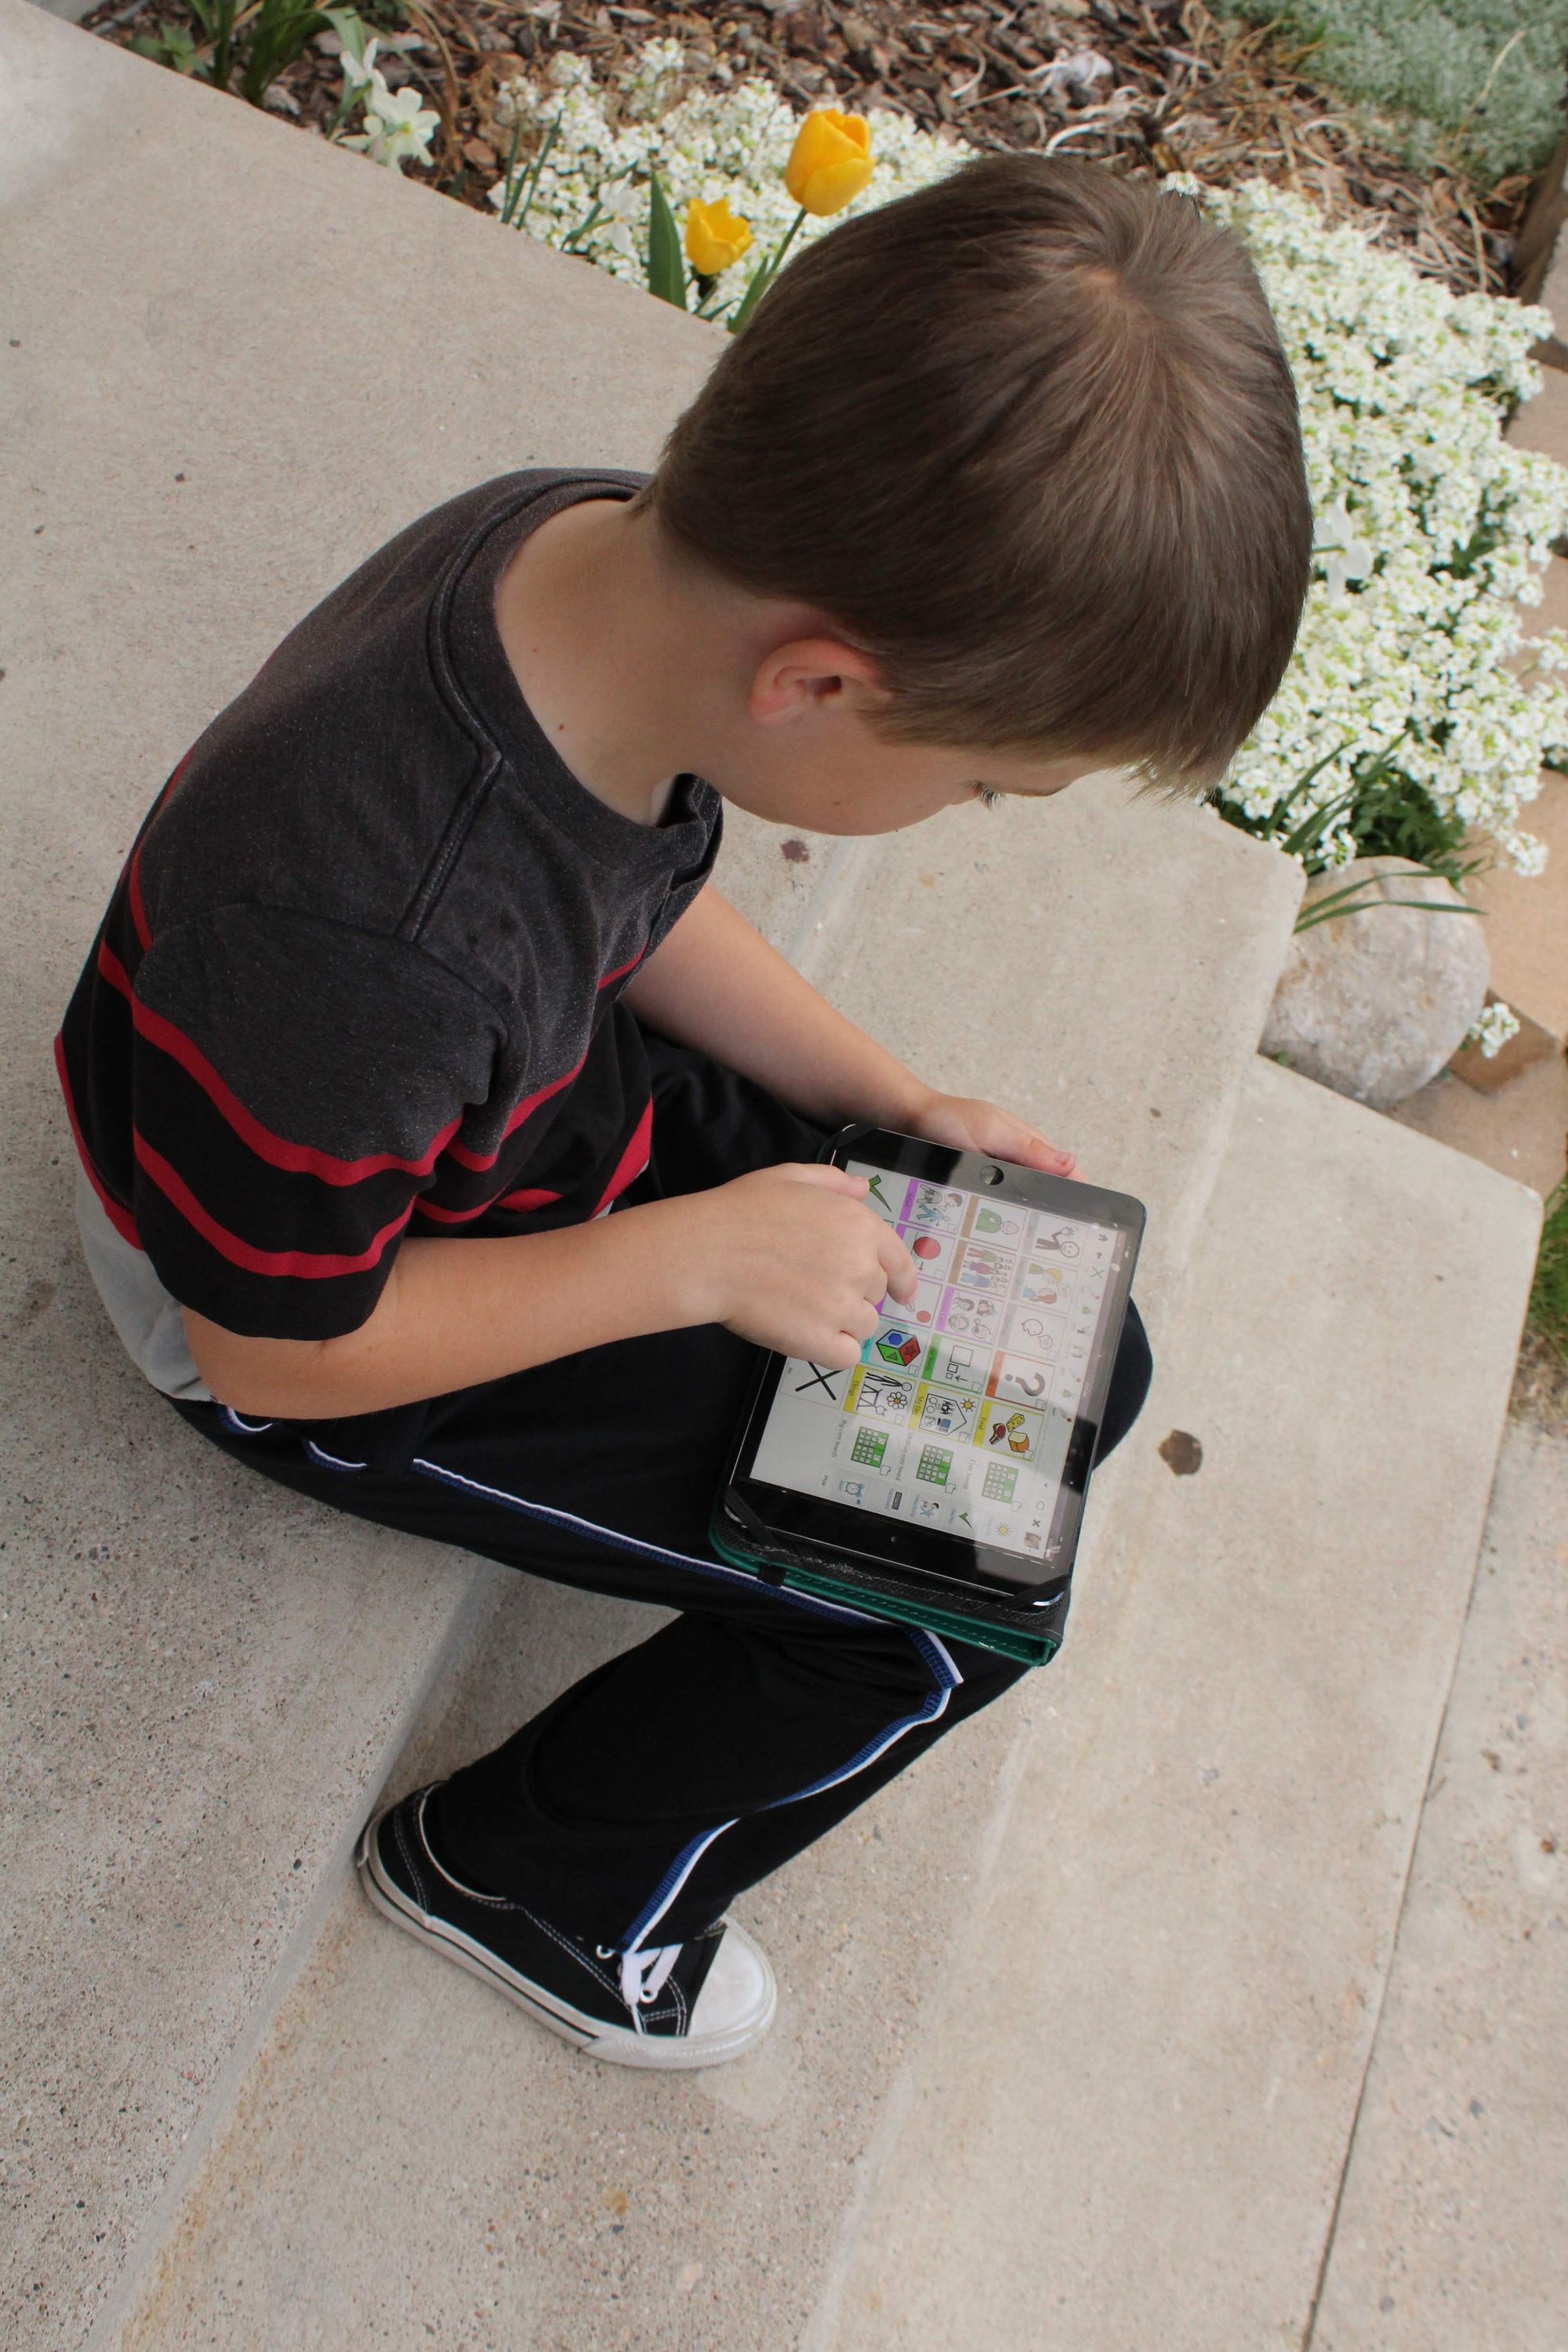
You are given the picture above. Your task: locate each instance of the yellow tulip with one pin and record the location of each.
(715, 237)
(830, 162)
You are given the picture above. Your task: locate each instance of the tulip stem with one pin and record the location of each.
(776, 264)
(763, 277)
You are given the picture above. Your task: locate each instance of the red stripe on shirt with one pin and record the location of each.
(526, 1199)
(467, 1159)
(632, 1162)
(297, 1159)
(451, 1216)
(308, 1266)
(122, 1220)
(621, 970)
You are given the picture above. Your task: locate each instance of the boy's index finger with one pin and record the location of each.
(897, 1263)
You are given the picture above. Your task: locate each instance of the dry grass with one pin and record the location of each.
(1539, 1383)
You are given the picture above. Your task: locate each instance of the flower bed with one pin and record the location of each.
(1149, 85)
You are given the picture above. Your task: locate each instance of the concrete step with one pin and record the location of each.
(211, 1680)
(1449, 2233)
(1076, 2013)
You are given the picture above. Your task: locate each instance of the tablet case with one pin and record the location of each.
(1031, 1633)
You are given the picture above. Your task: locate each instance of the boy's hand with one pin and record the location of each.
(971, 1126)
(792, 1258)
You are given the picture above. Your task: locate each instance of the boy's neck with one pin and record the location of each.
(610, 641)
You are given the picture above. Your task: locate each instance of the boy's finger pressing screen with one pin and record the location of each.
(445, 1138)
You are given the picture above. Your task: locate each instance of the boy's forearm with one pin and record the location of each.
(715, 982)
(456, 1313)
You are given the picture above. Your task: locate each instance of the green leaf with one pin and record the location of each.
(277, 36)
(350, 27)
(1350, 901)
(665, 264)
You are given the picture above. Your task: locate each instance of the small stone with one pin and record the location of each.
(1373, 1002)
(1182, 1453)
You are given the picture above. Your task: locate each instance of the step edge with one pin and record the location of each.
(158, 2230)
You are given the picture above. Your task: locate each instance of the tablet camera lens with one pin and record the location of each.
(995, 1176)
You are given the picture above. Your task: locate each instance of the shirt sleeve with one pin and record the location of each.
(294, 1082)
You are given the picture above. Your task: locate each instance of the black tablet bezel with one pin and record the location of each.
(823, 1533)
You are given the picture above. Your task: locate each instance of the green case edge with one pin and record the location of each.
(1030, 1649)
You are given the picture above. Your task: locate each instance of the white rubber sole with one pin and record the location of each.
(617, 2045)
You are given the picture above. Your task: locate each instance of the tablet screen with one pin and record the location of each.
(959, 1415)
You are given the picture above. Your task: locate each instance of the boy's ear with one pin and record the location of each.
(811, 675)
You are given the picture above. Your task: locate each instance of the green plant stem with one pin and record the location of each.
(584, 225)
(532, 190)
(777, 262)
(512, 193)
(224, 45)
(763, 277)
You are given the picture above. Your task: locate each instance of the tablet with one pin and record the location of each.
(942, 1476)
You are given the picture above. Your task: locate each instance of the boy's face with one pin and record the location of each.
(808, 754)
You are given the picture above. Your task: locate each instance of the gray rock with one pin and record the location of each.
(1374, 1002)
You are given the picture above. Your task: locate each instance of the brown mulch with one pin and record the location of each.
(1162, 85)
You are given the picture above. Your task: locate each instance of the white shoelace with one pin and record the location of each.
(643, 1975)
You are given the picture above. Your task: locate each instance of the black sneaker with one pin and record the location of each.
(690, 2004)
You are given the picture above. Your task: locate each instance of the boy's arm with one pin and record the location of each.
(790, 1257)
(715, 982)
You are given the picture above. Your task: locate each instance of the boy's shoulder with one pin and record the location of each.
(347, 773)
(378, 814)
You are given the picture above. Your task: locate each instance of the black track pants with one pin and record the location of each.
(649, 1793)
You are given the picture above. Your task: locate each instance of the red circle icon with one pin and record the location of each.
(925, 1246)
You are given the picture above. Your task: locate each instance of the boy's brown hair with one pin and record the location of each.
(1029, 438)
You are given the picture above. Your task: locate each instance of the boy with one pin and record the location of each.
(415, 973)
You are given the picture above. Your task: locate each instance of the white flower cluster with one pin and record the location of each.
(397, 127)
(1431, 530)
(1493, 1029)
(730, 144)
